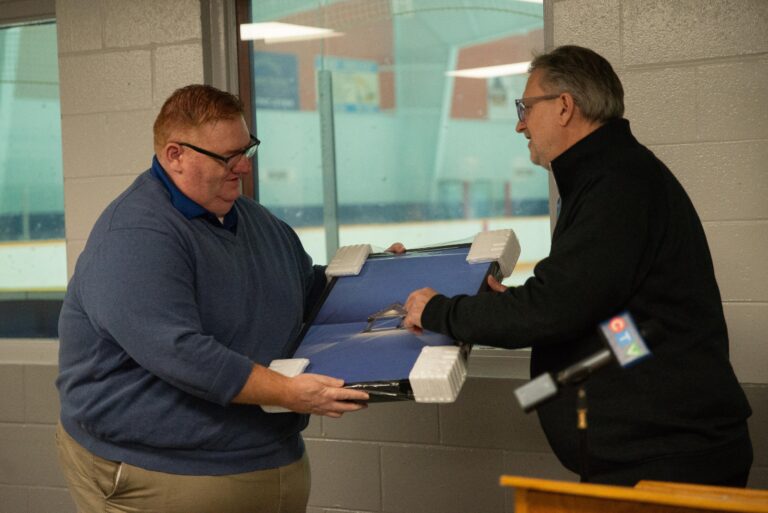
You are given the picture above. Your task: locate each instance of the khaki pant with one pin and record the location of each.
(102, 486)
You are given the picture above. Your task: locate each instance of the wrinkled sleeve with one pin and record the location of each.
(590, 274)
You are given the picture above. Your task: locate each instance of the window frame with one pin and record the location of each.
(19, 14)
(24, 13)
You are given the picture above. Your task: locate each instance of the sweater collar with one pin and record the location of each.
(588, 155)
(189, 208)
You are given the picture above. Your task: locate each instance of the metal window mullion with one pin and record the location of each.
(328, 157)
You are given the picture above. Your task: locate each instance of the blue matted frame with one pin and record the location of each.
(342, 340)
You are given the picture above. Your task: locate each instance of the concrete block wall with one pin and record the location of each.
(695, 76)
(409, 457)
(118, 62)
(30, 481)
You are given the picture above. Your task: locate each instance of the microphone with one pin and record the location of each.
(625, 345)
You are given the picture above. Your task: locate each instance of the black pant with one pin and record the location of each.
(725, 466)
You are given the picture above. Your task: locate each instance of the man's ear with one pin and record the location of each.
(567, 107)
(172, 157)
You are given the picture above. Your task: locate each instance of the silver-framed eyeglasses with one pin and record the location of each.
(523, 104)
(231, 160)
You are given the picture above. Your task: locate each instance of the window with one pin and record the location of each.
(32, 247)
(394, 120)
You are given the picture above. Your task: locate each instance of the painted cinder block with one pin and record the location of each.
(28, 456)
(757, 395)
(711, 172)
(108, 144)
(656, 31)
(391, 422)
(14, 499)
(145, 22)
(105, 82)
(432, 479)
(595, 24)
(487, 415)
(53, 500)
(732, 103)
(174, 67)
(658, 104)
(345, 475)
(41, 398)
(536, 464)
(758, 478)
(12, 398)
(738, 251)
(747, 328)
(85, 19)
(86, 198)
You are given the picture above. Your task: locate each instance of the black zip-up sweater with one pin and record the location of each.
(627, 238)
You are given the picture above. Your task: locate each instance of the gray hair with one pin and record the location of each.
(589, 77)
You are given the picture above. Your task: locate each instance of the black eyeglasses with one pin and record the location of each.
(231, 161)
(520, 103)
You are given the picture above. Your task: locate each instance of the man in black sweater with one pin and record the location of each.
(627, 238)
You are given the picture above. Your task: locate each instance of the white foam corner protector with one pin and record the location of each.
(497, 245)
(348, 260)
(438, 374)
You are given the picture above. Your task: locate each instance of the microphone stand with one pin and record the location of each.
(577, 374)
(581, 425)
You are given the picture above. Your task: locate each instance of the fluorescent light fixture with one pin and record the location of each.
(275, 32)
(516, 68)
(533, 1)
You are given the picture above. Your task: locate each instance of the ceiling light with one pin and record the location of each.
(275, 32)
(516, 68)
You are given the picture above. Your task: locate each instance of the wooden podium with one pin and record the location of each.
(545, 496)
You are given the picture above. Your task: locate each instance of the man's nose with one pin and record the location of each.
(520, 126)
(243, 166)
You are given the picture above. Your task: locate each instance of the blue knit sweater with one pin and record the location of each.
(162, 320)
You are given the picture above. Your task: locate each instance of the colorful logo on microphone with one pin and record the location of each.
(624, 339)
(617, 324)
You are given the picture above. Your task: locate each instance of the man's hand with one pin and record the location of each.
(495, 285)
(414, 306)
(305, 393)
(418, 299)
(322, 395)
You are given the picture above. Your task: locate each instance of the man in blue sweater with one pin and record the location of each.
(184, 294)
(627, 238)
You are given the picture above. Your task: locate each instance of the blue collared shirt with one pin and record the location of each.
(188, 207)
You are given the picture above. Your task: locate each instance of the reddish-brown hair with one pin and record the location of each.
(191, 107)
